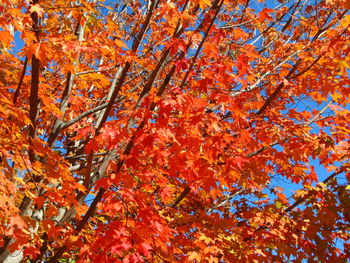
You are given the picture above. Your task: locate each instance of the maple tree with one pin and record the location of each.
(159, 131)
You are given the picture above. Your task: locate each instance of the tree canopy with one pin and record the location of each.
(166, 131)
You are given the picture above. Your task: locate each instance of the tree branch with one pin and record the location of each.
(181, 196)
(278, 89)
(15, 96)
(83, 115)
(302, 199)
(216, 5)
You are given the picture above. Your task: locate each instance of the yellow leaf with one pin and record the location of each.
(119, 43)
(204, 3)
(38, 9)
(193, 255)
(5, 38)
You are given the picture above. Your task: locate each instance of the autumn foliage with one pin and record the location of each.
(174, 131)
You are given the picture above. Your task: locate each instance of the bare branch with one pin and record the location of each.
(94, 71)
(83, 115)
